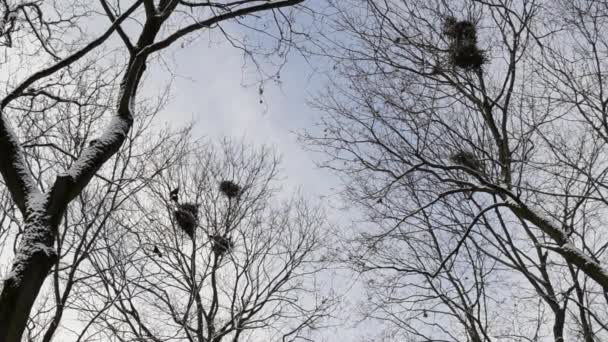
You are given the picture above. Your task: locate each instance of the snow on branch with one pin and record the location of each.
(13, 168)
(93, 157)
(36, 239)
(575, 256)
(564, 246)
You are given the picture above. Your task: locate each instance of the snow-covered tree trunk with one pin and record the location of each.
(43, 210)
(36, 254)
(30, 269)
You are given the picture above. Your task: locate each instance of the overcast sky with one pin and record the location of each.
(208, 87)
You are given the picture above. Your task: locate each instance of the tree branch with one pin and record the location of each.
(214, 20)
(13, 168)
(69, 60)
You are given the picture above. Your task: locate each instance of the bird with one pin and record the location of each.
(173, 194)
(157, 251)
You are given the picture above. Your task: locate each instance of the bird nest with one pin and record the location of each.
(186, 216)
(463, 30)
(230, 189)
(468, 57)
(467, 159)
(221, 244)
(463, 50)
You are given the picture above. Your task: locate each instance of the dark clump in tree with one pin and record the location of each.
(221, 244)
(186, 216)
(174, 195)
(463, 50)
(467, 159)
(467, 57)
(230, 189)
(459, 30)
(157, 252)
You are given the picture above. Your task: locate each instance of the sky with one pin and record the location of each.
(208, 87)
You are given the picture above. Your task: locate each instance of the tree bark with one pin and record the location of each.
(29, 271)
(564, 247)
(558, 325)
(36, 255)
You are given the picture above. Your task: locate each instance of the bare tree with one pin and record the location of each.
(55, 32)
(54, 145)
(474, 132)
(214, 254)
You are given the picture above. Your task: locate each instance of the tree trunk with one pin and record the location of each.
(27, 277)
(558, 325)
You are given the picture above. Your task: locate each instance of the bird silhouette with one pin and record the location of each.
(173, 194)
(157, 251)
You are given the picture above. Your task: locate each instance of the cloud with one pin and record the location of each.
(207, 86)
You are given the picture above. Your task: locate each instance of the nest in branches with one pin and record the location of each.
(468, 57)
(463, 50)
(186, 216)
(459, 30)
(467, 159)
(230, 189)
(221, 244)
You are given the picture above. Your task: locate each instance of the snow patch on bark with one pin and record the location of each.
(37, 202)
(23, 171)
(539, 213)
(35, 235)
(116, 131)
(570, 248)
